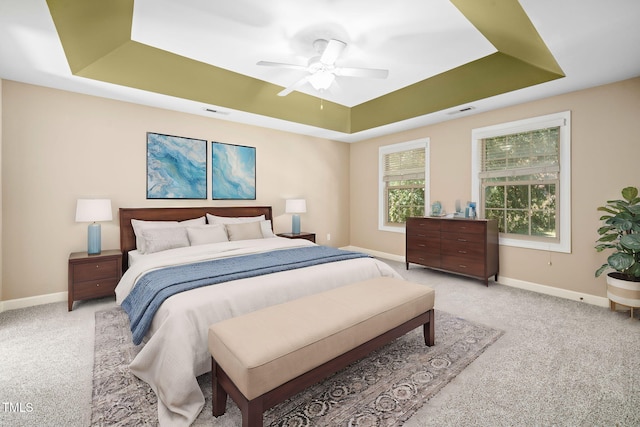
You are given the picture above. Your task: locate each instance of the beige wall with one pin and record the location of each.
(1, 190)
(605, 151)
(59, 146)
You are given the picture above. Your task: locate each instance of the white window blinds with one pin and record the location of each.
(522, 154)
(404, 165)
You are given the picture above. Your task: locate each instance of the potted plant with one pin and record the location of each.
(621, 233)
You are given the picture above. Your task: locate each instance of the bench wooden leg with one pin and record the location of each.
(219, 397)
(429, 330)
(252, 413)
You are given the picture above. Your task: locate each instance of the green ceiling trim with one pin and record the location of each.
(96, 37)
(506, 25)
(485, 77)
(91, 29)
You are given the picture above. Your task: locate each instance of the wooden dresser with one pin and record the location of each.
(462, 246)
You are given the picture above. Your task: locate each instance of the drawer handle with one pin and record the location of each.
(462, 266)
(462, 252)
(421, 235)
(97, 265)
(462, 240)
(421, 245)
(421, 259)
(97, 285)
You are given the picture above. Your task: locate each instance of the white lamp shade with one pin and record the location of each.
(92, 210)
(296, 206)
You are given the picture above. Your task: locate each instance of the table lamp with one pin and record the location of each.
(295, 206)
(93, 210)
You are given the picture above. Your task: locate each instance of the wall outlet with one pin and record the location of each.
(328, 236)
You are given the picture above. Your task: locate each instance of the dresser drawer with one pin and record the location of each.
(94, 289)
(421, 225)
(424, 240)
(464, 227)
(95, 270)
(429, 259)
(464, 265)
(467, 250)
(462, 237)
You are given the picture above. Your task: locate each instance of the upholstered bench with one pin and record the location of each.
(264, 357)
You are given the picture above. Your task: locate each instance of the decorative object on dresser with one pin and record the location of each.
(301, 235)
(463, 246)
(93, 210)
(93, 276)
(295, 207)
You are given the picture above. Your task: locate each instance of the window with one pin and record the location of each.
(521, 177)
(403, 178)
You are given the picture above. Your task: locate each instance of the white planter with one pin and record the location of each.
(623, 292)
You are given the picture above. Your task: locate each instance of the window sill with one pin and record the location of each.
(531, 244)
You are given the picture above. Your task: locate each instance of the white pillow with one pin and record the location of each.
(203, 234)
(161, 239)
(134, 256)
(244, 231)
(265, 226)
(139, 225)
(213, 219)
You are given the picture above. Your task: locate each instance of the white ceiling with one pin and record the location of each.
(594, 42)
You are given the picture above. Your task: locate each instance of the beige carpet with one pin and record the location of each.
(384, 389)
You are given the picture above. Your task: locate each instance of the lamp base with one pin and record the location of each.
(94, 241)
(295, 224)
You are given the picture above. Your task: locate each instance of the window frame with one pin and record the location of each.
(562, 120)
(382, 195)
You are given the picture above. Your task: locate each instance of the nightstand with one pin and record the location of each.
(302, 235)
(93, 276)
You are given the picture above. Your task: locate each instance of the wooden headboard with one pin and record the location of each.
(128, 237)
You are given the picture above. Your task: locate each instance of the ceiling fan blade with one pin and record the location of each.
(332, 52)
(373, 73)
(282, 65)
(293, 87)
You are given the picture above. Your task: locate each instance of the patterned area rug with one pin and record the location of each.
(384, 389)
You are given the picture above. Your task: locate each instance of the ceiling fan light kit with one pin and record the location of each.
(322, 70)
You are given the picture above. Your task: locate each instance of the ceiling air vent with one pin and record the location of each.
(462, 110)
(211, 110)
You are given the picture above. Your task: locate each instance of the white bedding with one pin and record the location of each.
(176, 351)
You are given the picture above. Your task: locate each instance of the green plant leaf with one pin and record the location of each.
(635, 209)
(605, 229)
(606, 209)
(631, 242)
(621, 222)
(601, 269)
(629, 193)
(634, 270)
(620, 261)
(608, 238)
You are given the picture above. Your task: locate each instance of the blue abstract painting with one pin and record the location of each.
(176, 167)
(233, 172)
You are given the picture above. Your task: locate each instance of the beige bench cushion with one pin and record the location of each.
(264, 349)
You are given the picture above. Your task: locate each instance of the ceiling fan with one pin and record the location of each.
(322, 69)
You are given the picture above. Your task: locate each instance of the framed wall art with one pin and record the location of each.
(176, 167)
(233, 172)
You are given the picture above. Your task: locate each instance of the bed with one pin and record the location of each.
(174, 350)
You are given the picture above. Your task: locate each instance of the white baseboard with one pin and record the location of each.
(13, 304)
(507, 281)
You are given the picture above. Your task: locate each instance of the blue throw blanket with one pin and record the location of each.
(156, 286)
